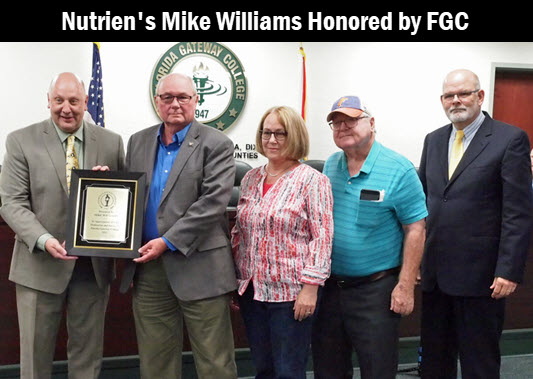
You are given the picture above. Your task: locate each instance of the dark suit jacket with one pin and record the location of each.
(191, 214)
(480, 220)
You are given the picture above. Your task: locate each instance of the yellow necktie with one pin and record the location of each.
(72, 159)
(457, 152)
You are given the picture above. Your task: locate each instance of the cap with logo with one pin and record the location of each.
(349, 105)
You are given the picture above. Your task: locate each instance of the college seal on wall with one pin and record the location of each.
(218, 75)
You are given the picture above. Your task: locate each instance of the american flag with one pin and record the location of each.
(95, 105)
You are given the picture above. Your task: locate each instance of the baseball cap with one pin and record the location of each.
(349, 105)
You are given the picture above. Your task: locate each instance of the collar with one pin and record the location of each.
(471, 129)
(177, 137)
(369, 161)
(63, 136)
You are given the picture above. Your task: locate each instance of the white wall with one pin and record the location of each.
(400, 82)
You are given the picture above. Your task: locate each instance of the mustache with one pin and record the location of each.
(457, 109)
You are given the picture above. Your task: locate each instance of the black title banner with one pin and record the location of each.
(466, 22)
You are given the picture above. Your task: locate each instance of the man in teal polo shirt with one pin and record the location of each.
(379, 212)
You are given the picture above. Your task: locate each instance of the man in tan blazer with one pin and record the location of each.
(186, 271)
(33, 188)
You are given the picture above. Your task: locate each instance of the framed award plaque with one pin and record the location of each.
(105, 214)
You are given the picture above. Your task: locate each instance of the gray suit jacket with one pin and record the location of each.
(191, 214)
(34, 196)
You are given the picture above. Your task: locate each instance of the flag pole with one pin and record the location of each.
(304, 83)
(304, 88)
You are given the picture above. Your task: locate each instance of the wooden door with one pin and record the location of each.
(513, 104)
(513, 98)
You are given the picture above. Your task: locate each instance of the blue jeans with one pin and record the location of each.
(279, 344)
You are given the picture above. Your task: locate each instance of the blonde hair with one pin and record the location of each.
(297, 142)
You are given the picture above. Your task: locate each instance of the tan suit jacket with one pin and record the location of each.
(191, 214)
(34, 200)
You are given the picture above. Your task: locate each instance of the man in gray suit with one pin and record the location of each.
(186, 271)
(34, 191)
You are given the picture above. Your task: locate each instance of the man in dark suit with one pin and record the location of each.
(186, 271)
(478, 189)
(34, 187)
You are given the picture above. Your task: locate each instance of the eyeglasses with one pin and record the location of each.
(279, 136)
(349, 122)
(169, 99)
(449, 97)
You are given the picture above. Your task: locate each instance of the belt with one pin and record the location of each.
(354, 281)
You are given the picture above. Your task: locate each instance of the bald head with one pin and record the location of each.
(66, 76)
(461, 75)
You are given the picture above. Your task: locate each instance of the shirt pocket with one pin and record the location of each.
(370, 213)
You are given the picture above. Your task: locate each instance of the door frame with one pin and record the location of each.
(503, 65)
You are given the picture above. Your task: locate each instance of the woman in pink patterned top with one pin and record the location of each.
(282, 246)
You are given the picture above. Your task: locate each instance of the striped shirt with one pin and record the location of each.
(470, 131)
(368, 234)
(283, 239)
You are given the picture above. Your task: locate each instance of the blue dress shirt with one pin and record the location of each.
(165, 157)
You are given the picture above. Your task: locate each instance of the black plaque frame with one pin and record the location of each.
(76, 244)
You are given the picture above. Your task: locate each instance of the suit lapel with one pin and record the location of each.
(442, 151)
(55, 151)
(150, 154)
(478, 144)
(187, 148)
(90, 148)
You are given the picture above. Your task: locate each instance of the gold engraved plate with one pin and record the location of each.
(105, 214)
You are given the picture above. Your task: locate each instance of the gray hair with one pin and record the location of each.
(163, 78)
